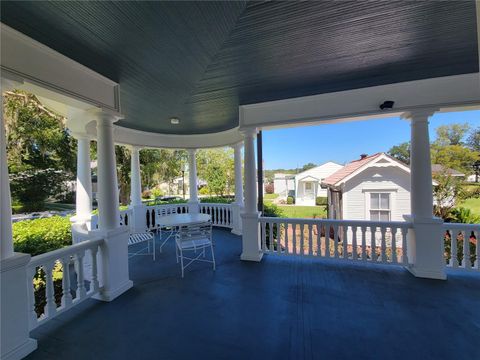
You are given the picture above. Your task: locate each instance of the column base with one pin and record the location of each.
(112, 294)
(21, 351)
(113, 264)
(426, 273)
(15, 342)
(236, 232)
(257, 257)
(251, 250)
(193, 207)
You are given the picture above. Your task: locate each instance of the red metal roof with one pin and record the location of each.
(348, 169)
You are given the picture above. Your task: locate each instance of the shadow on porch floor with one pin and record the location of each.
(282, 308)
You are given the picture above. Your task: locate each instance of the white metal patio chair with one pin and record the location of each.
(169, 230)
(137, 238)
(194, 237)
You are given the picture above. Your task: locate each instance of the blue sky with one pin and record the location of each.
(292, 147)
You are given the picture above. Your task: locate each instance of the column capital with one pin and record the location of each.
(105, 116)
(419, 114)
(134, 148)
(237, 145)
(249, 132)
(81, 135)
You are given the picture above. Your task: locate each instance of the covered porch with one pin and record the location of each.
(285, 307)
(199, 75)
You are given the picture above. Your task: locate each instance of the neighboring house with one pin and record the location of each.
(284, 185)
(305, 186)
(375, 187)
(438, 169)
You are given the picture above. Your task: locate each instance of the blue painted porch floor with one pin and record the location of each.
(281, 308)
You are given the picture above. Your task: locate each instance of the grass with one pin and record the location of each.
(291, 211)
(270, 196)
(48, 206)
(473, 204)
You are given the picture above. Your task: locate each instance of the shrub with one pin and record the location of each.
(272, 210)
(218, 199)
(269, 189)
(321, 201)
(156, 192)
(39, 236)
(204, 190)
(146, 194)
(290, 200)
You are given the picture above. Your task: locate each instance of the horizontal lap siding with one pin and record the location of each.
(391, 178)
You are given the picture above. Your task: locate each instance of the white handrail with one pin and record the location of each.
(64, 258)
(465, 250)
(355, 240)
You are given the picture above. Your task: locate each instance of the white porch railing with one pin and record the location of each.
(221, 214)
(125, 219)
(67, 259)
(367, 241)
(465, 251)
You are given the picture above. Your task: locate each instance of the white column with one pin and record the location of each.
(113, 257)
(84, 181)
(250, 239)
(192, 182)
(135, 181)
(425, 247)
(139, 223)
(237, 148)
(237, 206)
(15, 342)
(6, 242)
(108, 202)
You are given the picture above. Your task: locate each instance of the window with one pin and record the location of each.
(308, 186)
(380, 206)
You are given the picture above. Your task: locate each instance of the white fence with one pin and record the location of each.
(61, 295)
(125, 219)
(461, 246)
(377, 242)
(221, 214)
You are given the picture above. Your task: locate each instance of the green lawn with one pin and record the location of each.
(472, 204)
(291, 211)
(270, 196)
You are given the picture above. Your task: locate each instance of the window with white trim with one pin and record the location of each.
(308, 186)
(380, 209)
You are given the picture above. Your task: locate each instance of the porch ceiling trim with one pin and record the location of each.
(451, 93)
(55, 75)
(308, 178)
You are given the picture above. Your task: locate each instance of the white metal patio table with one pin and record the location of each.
(175, 220)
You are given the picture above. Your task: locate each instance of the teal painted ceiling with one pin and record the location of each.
(199, 61)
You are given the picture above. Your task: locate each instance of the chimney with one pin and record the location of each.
(363, 156)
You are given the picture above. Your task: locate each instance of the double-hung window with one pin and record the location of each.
(380, 209)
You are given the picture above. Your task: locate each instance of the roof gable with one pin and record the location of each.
(355, 167)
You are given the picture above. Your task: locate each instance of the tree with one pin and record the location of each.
(455, 157)
(401, 152)
(452, 134)
(216, 167)
(473, 140)
(308, 167)
(446, 193)
(40, 151)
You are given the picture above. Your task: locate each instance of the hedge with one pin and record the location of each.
(39, 236)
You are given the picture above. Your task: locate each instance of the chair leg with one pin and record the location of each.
(176, 252)
(181, 260)
(213, 257)
(153, 242)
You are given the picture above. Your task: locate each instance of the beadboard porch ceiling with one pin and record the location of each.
(199, 61)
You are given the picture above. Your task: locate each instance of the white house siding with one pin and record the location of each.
(320, 172)
(384, 179)
(280, 185)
